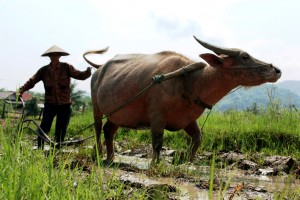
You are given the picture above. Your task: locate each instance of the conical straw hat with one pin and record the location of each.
(55, 49)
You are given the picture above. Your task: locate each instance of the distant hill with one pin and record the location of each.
(287, 93)
(261, 96)
(293, 86)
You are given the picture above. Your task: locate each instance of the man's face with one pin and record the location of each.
(54, 57)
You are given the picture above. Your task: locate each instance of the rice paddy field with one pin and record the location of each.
(29, 173)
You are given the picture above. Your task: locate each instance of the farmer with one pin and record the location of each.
(56, 77)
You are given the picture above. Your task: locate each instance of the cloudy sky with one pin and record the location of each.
(267, 29)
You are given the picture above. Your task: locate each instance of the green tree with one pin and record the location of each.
(254, 108)
(77, 97)
(31, 107)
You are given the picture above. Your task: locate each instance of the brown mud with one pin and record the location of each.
(234, 177)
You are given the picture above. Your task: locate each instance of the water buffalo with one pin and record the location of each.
(174, 104)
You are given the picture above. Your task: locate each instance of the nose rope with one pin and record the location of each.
(253, 67)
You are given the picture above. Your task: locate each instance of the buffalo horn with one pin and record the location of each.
(216, 49)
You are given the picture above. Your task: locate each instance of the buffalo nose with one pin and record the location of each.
(277, 70)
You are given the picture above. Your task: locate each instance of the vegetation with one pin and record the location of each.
(79, 100)
(33, 174)
(28, 174)
(242, 98)
(274, 132)
(31, 107)
(271, 132)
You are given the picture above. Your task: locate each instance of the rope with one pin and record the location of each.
(212, 107)
(157, 79)
(120, 106)
(45, 137)
(132, 98)
(252, 67)
(206, 119)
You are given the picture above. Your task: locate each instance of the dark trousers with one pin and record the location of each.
(62, 113)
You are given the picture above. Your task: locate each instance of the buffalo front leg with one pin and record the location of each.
(194, 132)
(109, 132)
(157, 142)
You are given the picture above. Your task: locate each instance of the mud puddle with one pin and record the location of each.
(239, 184)
(239, 179)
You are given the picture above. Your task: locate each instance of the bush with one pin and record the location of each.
(31, 107)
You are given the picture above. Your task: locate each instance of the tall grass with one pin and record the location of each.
(28, 174)
(267, 132)
(33, 174)
(270, 132)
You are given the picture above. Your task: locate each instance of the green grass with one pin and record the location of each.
(269, 132)
(28, 174)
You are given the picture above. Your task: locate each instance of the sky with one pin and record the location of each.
(267, 29)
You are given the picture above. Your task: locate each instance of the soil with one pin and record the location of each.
(236, 176)
(241, 178)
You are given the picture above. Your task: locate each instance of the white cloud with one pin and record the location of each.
(269, 33)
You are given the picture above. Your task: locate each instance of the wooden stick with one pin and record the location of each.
(179, 72)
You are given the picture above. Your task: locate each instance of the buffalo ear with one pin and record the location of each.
(212, 59)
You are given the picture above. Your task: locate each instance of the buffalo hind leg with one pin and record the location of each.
(97, 114)
(194, 132)
(98, 129)
(109, 132)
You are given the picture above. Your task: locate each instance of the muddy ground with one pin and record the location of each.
(235, 176)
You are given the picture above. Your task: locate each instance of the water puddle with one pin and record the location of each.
(62, 150)
(185, 190)
(191, 181)
(252, 186)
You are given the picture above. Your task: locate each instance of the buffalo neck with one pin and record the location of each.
(211, 85)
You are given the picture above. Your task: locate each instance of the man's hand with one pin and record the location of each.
(89, 69)
(18, 93)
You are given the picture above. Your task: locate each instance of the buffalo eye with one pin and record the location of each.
(245, 56)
